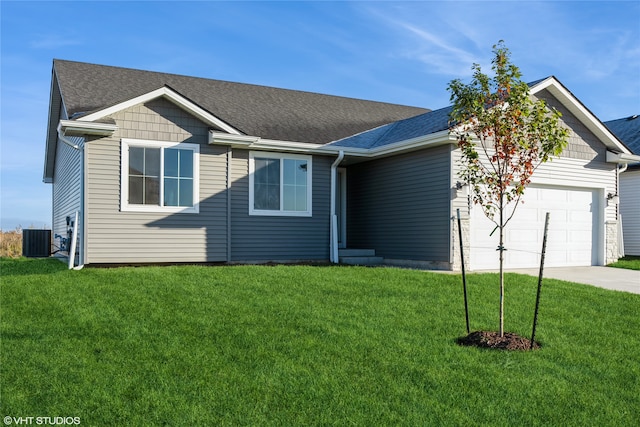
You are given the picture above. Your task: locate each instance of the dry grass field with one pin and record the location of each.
(11, 243)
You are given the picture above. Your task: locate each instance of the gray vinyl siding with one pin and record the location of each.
(140, 237)
(630, 210)
(66, 189)
(273, 238)
(400, 205)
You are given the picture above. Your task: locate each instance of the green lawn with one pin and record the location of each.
(301, 345)
(628, 262)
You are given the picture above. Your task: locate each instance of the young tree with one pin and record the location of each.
(504, 135)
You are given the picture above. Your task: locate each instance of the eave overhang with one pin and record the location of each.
(622, 158)
(256, 143)
(78, 128)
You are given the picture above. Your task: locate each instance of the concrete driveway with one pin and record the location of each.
(617, 279)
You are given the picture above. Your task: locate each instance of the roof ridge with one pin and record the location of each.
(263, 86)
(269, 112)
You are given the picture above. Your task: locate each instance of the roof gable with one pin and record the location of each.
(271, 113)
(169, 94)
(581, 112)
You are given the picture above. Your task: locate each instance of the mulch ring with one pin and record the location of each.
(491, 339)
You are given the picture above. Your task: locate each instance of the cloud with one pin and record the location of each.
(442, 56)
(53, 41)
(436, 43)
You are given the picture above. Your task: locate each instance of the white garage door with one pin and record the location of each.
(572, 238)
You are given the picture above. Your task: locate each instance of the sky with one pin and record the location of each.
(398, 52)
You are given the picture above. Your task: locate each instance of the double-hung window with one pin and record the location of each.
(279, 184)
(159, 176)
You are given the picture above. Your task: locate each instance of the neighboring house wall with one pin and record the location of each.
(279, 238)
(400, 206)
(138, 237)
(66, 189)
(630, 210)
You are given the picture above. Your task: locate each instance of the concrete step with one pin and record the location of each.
(356, 253)
(361, 260)
(359, 257)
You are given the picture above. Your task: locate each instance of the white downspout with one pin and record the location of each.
(64, 139)
(72, 249)
(620, 230)
(333, 241)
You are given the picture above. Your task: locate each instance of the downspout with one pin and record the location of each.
(619, 170)
(333, 243)
(64, 139)
(229, 160)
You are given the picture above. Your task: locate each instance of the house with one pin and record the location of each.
(628, 131)
(162, 168)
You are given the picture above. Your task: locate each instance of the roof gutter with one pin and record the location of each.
(75, 128)
(433, 139)
(248, 142)
(62, 137)
(622, 158)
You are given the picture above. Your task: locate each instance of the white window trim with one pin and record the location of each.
(124, 176)
(281, 156)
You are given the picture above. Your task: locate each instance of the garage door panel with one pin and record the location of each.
(557, 258)
(579, 258)
(572, 237)
(559, 216)
(528, 215)
(579, 238)
(553, 195)
(581, 217)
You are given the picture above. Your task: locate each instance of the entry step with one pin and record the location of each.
(359, 257)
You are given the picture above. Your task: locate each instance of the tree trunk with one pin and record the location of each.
(501, 249)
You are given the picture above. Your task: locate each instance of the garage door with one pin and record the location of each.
(573, 231)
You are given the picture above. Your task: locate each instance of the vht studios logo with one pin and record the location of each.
(42, 421)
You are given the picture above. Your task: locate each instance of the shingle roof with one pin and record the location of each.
(402, 130)
(628, 131)
(270, 113)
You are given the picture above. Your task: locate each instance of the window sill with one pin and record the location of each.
(159, 209)
(279, 213)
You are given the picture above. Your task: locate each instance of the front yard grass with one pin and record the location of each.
(302, 345)
(628, 262)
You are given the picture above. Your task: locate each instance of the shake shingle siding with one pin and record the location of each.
(138, 237)
(399, 205)
(582, 144)
(278, 238)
